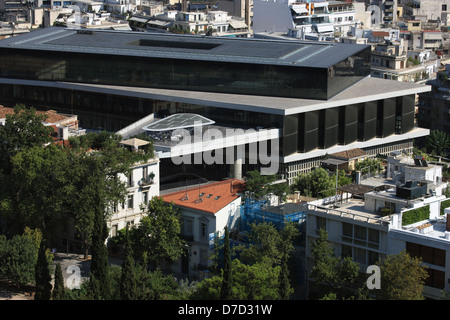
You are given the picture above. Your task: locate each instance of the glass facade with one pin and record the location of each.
(302, 132)
(113, 112)
(184, 74)
(343, 125)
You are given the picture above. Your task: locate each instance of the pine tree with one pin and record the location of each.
(225, 292)
(99, 279)
(42, 275)
(58, 290)
(128, 285)
(284, 285)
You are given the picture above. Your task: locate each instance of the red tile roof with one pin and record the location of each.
(52, 115)
(380, 34)
(349, 154)
(216, 196)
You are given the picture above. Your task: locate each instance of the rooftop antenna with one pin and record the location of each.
(199, 194)
(185, 197)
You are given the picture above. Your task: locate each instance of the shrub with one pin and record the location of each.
(415, 215)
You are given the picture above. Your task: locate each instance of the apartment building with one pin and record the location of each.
(425, 10)
(434, 107)
(371, 222)
(391, 60)
(205, 211)
(142, 185)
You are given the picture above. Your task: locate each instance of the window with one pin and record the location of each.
(428, 254)
(145, 197)
(347, 232)
(203, 230)
(436, 278)
(114, 230)
(361, 236)
(320, 224)
(372, 257)
(374, 238)
(187, 228)
(444, 7)
(346, 251)
(360, 255)
(130, 201)
(130, 180)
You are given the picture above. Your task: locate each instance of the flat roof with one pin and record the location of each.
(186, 47)
(367, 89)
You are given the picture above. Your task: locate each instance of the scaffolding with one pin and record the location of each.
(254, 211)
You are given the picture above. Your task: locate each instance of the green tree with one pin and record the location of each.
(99, 274)
(437, 142)
(267, 244)
(402, 277)
(18, 256)
(41, 188)
(23, 130)
(250, 282)
(225, 292)
(257, 184)
(97, 162)
(284, 284)
(19, 260)
(59, 291)
(128, 285)
(161, 286)
(264, 245)
(343, 179)
(317, 183)
(368, 165)
(332, 274)
(42, 275)
(158, 233)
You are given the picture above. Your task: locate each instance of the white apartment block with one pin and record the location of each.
(143, 184)
(391, 60)
(425, 10)
(205, 212)
(219, 21)
(373, 225)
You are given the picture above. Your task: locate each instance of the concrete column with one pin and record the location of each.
(237, 168)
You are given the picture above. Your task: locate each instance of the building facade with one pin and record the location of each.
(205, 212)
(317, 95)
(379, 223)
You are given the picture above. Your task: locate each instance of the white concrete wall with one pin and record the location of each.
(134, 214)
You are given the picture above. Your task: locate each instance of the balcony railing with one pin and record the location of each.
(146, 182)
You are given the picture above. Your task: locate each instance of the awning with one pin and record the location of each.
(237, 24)
(136, 19)
(356, 189)
(134, 142)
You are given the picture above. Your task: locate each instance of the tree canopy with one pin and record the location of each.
(438, 142)
(402, 277)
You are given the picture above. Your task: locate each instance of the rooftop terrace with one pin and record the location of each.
(352, 209)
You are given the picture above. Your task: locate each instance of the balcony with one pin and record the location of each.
(146, 182)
